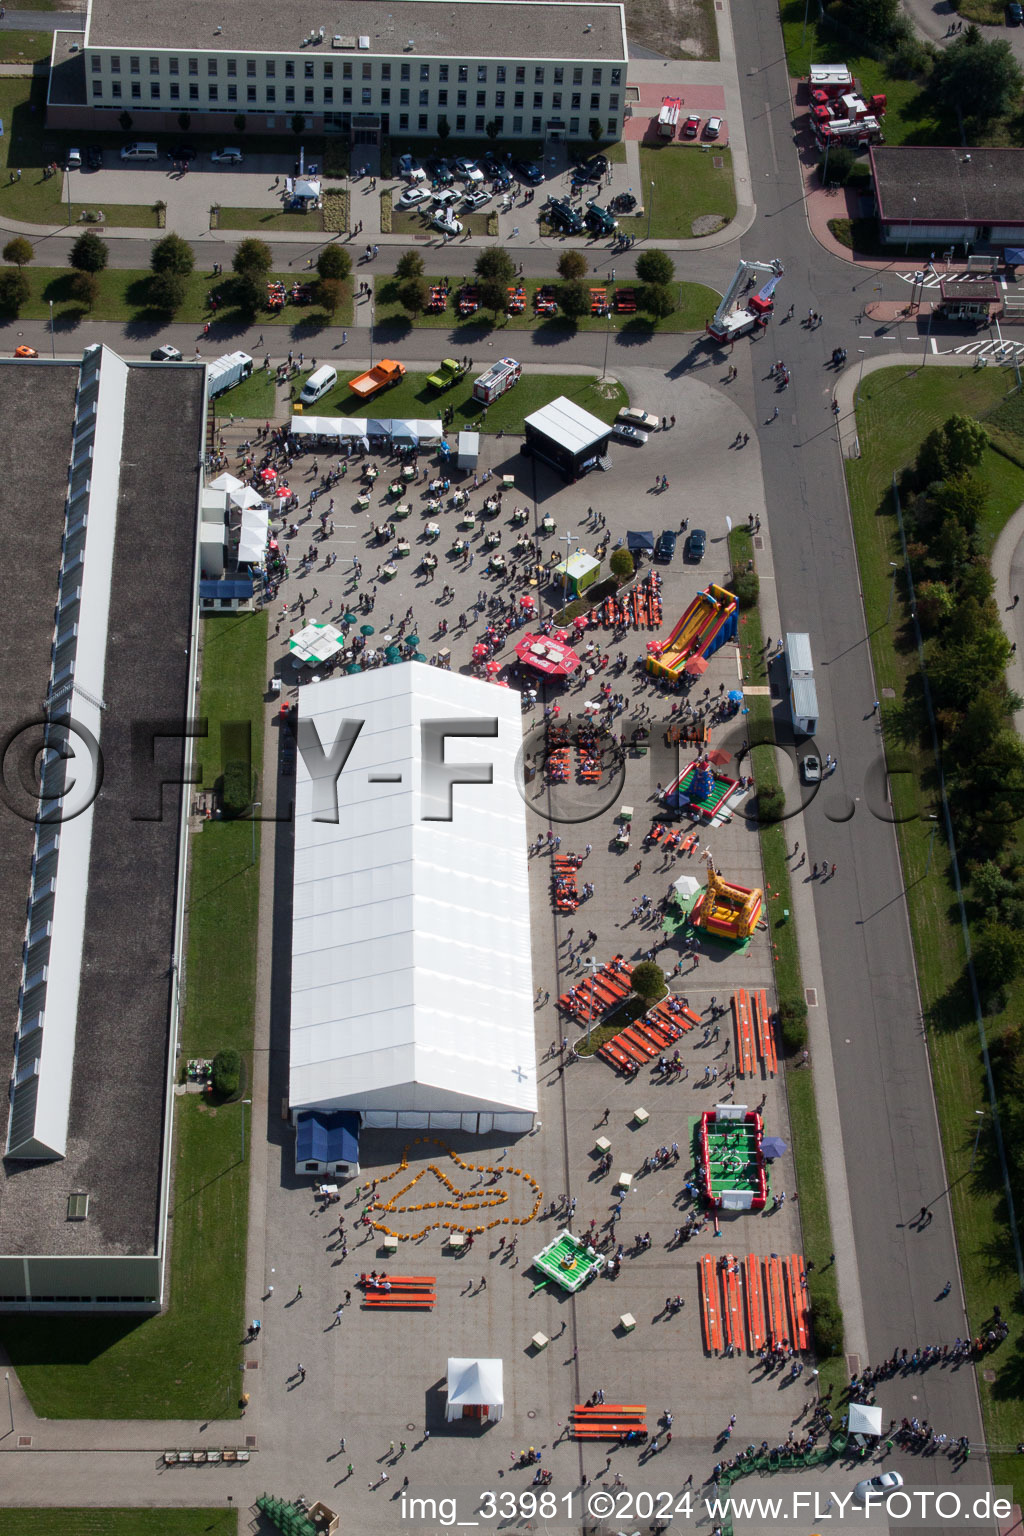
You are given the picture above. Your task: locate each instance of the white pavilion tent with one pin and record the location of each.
(412, 989)
(476, 1390)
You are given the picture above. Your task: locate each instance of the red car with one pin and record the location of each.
(25, 352)
(691, 127)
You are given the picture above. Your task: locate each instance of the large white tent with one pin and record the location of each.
(476, 1390)
(412, 993)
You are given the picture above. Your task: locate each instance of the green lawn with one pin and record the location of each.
(695, 304)
(605, 398)
(895, 413)
(262, 220)
(24, 47)
(184, 1364)
(118, 1522)
(123, 296)
(255, 399)
(689, 183)
(411, 221)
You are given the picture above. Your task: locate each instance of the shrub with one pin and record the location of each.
(771, 802)
(85, 289)
(572, 266)
(657, 299)
(329, 292)
(837, 164)
(334, 262)
(89, 253)
(387, 209)
(826, 1321)
(13, 290)
(793, 1024)
(655, 268)
(254, 256)
(226, 1073)
(412, 295)
(18, 251)
(745, 587)
(335, 214)
(166, 292)
(621, 564)
(236, 794)
(648, 981)
(410, 264)
(574, 300)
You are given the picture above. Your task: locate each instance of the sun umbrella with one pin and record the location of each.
(492, 667)
(366, 629)
(480, 651)
(735, 697)
(580, 621)
(412, 639)
(526, 601)
(353, 667)
(393, 653)
(654, 647)
(773, 1146)
(696, 666)
(560, 634)
(386, 639)
(419, 656)
(349, 618)
(719, 755)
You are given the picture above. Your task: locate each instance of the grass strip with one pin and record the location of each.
(119, 1522)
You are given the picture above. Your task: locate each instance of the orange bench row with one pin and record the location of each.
(776, 1308)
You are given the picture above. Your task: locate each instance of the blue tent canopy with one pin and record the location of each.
(327, 1137)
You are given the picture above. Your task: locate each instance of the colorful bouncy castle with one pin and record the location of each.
(710, 621)
(728, 911)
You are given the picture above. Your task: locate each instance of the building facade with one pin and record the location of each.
(549, 70)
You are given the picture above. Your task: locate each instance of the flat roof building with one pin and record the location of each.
(97, 637)
(568, 437)
(952, 196)
(552, 70)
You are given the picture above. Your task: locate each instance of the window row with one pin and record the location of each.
(368, 97)
(369, 70)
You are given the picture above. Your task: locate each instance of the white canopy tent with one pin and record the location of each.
(476, 1390)
(412, 993)
(316, 642)
(225, 482)
(252, 534)
(246, 497)
(426, 431)
(864, 1419)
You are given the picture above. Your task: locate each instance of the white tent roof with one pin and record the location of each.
(411, 975)
(225, 482)
(568, 424)
(327, 426)
(316, 642)
(686, 885)
(865, 1419)
(246, 497)
(428, 431)
(473, 1382)
(306, 186)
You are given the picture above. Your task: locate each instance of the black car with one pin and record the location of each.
(94, 157)
(491, 165)
(625, 202)
(440, 173)
(665, 547)
(183, 152)
(502, 182)
(696, 544)
(560, 214)
(528, 172)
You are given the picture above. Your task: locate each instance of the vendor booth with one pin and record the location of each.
(468, 450)
(327, 1142)
(577, 573)
(567, 437)
(476, 1390)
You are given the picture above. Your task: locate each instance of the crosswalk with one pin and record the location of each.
(1008, 352)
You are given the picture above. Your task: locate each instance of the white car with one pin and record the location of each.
(413, 196)
(476, 199)
(712, 128)
(635, 417)
(628, 434)
(446, 224)
(227, 156)
(885, 1482)
(74, 160)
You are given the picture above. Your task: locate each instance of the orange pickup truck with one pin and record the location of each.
(386, 373)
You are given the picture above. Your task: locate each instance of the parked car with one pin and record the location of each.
(639, 418)
(94, 157)
(410, 169)
(691, 127)
(528, 172)
(696, 544)
(25, 352)
(476, 197)
(463, 167)
(446, 199)
(413, 196)
(440, 173)
(74, 160)
(628, 434)
(884, 1483)
(665, 548)
(810, 769)
(227, 156)
(1014, 15)
(561, 215)
(712, 128)
(502, 182)
(444, 222)
(165, 354)
(183, 152)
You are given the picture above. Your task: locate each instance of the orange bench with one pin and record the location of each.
(630, 1036)
(795, 1277)
(766, 1039)
(778, 1321)
(418, 1300)
(422, 1282)
(618, 1058)
(746, 1053)
(734, 1330)
(608, 1421)
(709, 1305)
(755, 1302)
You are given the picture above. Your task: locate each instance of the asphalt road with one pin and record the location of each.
(887, 1109)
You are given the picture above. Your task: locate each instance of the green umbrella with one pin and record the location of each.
(366, 629)
(349, 618)
(353, 667)
(393, 653)
(412, 639)
(419, 656)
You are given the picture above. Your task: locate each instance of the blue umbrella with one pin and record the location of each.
(735, 697)
(772, 1147)
(353, 666)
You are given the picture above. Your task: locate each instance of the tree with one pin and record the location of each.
(837, 163)
(184, 121)
(410, 264)
(655, 267)
(334, 262)
(298, 123)
(574, 300)
(658, 299)
(226, 1073)
(966, 441)
(572, 266)
(249, 291)
(793, 1023)
(493, 295)
(13, 289)
(621, 565)
(745, 587)
(239, 122)
(982, 79)
(648, 981)
(998, 957)
(172, 254)
(878, 18)
(125, 122)
(492, 129)
(18, 251)
(89, 253)
(329, 291)
(167, 292)
(962, 500)
(253, 256)
(495, 263)
(412, 295)
(85, 289)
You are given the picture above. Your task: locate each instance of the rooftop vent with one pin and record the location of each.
(339, 41)
(410, 45)
(78, 1207)
(364, 41)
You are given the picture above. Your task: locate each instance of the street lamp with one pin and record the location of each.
(982, 1117)
(607, 339)
(892, 590)
(53, 344)
(860, 377)
(68, 175)
(10, 1404)
(650, 212)
(931, 842)
(255, 807)
(568, 539)
(592, 962)
(244, 1103)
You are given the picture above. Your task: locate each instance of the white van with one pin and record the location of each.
(140, 152)
(317, 385)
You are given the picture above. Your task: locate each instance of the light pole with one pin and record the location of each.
(931, 843)
(607, 339)
(860, 377)
(982, 1115)
(244, 1103)
(255, 807)
(592, 962)
(568, 539)
(53, 345)
(10, 1403)
(650, 212)
(892, 590)
(68, 175)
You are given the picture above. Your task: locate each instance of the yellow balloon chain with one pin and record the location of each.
(462, 1200)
